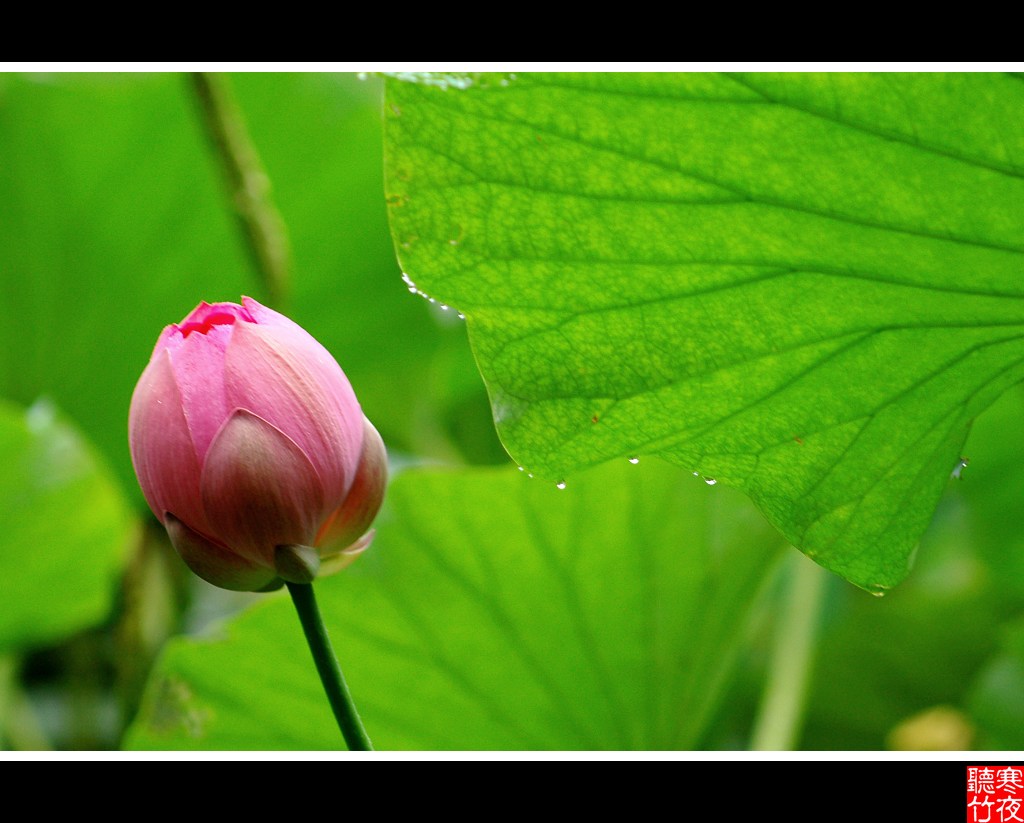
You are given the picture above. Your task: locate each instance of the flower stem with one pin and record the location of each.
(327, 666)
(777, 727)
(247, 184)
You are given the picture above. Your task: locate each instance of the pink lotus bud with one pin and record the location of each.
(249, 445)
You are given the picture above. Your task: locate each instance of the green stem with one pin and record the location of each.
(327, 666)
(248, 185)
(777, 726)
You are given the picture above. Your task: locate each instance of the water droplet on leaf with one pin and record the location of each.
(877, 589)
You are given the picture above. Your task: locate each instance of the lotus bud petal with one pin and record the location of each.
(258, 489)
(351, 520)
(333, 563)
(251, 448)
(214, 563)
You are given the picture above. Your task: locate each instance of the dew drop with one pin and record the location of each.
(460, 315)
(696, 474)
(962, 464)
(877, 589)
(634, 460)
(443, 307)
(530, 475)
(521, 469)
(560, 485)
(710, 481)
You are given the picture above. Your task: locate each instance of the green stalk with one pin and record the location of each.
(778, 723)
(328, 668)
(247, 184)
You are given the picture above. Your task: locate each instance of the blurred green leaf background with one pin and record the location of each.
(636, 608)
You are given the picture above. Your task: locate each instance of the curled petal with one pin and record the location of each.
(354, 516)
(263, 316)
(284, 376)
(214, 563)
(259, 490)
(346, 557)
(208, 316)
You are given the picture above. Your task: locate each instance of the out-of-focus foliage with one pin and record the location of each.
(65, 529)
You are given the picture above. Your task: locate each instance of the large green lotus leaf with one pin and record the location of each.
(66, 529)
(803, 285)
(496, 612)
